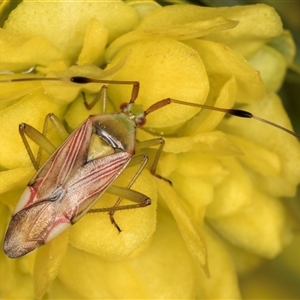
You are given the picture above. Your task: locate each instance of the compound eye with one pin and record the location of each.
(124, 107)
(140, 121)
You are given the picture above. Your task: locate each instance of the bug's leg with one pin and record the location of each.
(36, 136)
(139, 159)
(134, 91)
(27, 131)
(59, 127)
(100, 96)
(124, 192)
(150, 143)
(141, 201)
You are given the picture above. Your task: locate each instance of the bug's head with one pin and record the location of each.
(135, 112)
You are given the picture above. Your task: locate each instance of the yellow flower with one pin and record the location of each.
(223, 212)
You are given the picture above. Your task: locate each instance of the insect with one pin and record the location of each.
(66, 187)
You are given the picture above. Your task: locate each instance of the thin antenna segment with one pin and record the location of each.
(134, 94)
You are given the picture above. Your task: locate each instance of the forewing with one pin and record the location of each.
(90, 182)
(63, 163)
(28, 228)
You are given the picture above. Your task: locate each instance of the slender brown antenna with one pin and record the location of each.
(230, 111)
(135, 91)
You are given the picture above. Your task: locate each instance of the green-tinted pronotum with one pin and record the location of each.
(70, 182)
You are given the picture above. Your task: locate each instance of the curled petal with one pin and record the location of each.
(252, 32)
(179, 32)
(163, 65)
(29, 19)
(265, 234)
(287, 147)
(271, 65)
(94, 44)
(16, 51)
(222, 62)
(31, 109)
(165, 268)
(187, 225)
(14, 179)
(47, 263)
(223, 283)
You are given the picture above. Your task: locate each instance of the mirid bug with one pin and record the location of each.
(70, 182)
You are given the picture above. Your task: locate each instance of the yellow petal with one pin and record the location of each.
(272, 67)
(190, 232)
(261, 160)
(47, 263)
(221, 61)
(222, 180)
(222, 94)
(17, 274)
(223, 281)
(20, 287)
(32, 109)
(15, 179)
(59, 291)
(195, 191)
(95, 41)
(164, 269)
(70, 21)
(12, 91)
(215, 142)
(185, 31)
(169, 16)
(164, 68)
(144, 7)
(95, 233)
(285, 45)
(260, 228)
(20, 53)
(64, 91)
(252, 32)
(245, 262)
(285, 146)
(233, 192)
